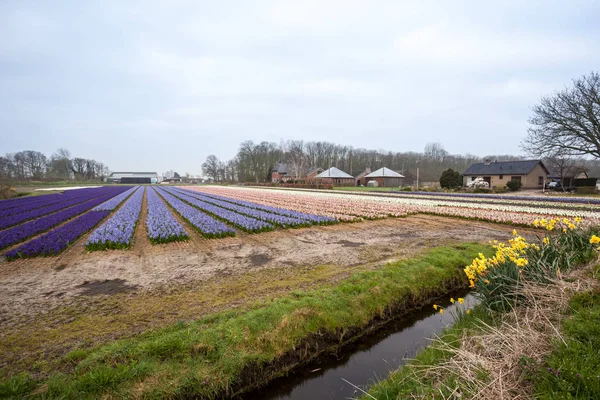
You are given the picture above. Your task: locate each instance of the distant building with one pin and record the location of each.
(336, 177)
(531, 173)
(280, 173)
(133, 177)
(385, 177)
(360, 178)
(311, 175)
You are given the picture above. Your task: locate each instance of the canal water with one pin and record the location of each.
(371, 359)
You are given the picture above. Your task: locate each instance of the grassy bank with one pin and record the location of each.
(535, 334)
(236, 350)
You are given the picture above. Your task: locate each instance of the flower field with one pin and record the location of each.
(46, 225)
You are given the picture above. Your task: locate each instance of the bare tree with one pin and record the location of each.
(35, 163)
(212, 167)
(295, 156)
(568, 121)
(564, 166)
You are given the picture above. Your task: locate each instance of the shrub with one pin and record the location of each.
(450, 179)
(6, 192)
(499, 189)
(406, 189)
(481, 190)
(513, 185)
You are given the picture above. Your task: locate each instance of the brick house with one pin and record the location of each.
(531, 173)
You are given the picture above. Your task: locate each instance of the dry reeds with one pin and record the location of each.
(488, 363)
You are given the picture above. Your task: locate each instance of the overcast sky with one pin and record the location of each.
(159, 85)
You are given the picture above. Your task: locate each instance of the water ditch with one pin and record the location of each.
(368, 360)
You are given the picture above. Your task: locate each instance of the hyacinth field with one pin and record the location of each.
(109, 216)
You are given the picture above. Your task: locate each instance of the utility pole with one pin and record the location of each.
(417, 178)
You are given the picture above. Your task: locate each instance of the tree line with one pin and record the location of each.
(255, 161)
(34, 165)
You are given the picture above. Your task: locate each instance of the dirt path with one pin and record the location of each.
(34, 286)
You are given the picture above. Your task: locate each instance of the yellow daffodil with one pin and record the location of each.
(441, 311)
(435, 306)
(468, 311)
(594, 239)
(452, 300)
(461, 300)
(546, 240)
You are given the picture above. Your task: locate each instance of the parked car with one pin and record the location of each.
(554, 185)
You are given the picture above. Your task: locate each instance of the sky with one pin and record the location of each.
(156, 85)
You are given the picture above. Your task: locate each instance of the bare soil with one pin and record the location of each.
(33, 286)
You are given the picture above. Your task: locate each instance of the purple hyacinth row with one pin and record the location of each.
(247, 224)
(7, 205)
(46, 204)
(206, 225)
(19, 233)
(280, 220)
(162, 226)
(57, 240)
(117, 232)
(23, 216)
(574, 200)
(312, 218)
(115, 201)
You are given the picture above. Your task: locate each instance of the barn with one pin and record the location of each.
(385, 177)
(133, 177)
(335, 176)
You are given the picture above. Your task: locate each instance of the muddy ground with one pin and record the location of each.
(34, 286)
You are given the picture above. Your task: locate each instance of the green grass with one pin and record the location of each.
(410, 382)
(208, 357)
(571, 370)
(364, 189)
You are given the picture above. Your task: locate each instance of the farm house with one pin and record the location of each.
(385, 177)
(335, 176)
(133, 177)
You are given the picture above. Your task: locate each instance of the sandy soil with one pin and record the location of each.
(34, 286)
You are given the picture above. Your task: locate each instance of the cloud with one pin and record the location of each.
(117, 80)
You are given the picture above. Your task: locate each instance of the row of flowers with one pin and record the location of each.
(346, 207)
(247, 224)
(26, 213)
(113, 203)
(208, 226)
(20, 204)
(162, 226)
(572, 200)
(55, 241)
(276, 219)
(24, 231)
(117, 232)
(311, 218)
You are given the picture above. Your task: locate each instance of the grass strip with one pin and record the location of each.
(237, 350)
(570, 371)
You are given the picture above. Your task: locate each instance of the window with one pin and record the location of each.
(540, 180)
(501, 177)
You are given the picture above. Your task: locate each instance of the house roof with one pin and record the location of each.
(504, 167)
(333, 172)
(313, 170)
(281, 168)
(384, 173)
(119, 174)
(364, 173)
